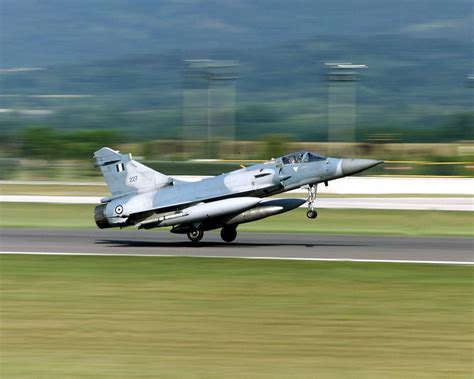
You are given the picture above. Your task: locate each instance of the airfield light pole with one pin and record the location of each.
(194, 105)
(213, 80)
(470, 80)
(342, 77)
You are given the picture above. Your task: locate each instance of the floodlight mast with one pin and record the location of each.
(470, 80)
(341, 77)
(209, 73)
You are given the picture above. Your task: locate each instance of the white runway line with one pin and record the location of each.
(50, 199)
(50, 183)
(358, 185)
(238, 257)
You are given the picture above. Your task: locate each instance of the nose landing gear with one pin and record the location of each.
(312, 190)
(311, 214)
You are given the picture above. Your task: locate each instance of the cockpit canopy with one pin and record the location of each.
(301, 156)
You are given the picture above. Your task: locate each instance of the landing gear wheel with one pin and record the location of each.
(312, 191)
(228, 234)
(195, 235)
(311, 214)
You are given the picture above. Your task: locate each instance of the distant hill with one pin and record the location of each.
(47, 32)
(411, 85)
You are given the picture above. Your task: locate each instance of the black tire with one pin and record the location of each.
(311, 214)
(195, 235)
(228, 234)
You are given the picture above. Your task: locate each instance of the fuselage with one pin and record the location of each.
(260, 180)
(148, 199)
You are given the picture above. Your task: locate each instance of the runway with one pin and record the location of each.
(441, 250)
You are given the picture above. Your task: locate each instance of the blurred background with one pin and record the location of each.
(186, 82)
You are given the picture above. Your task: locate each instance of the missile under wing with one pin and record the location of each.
(145, 198)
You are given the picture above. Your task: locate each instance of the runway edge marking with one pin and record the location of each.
(237, 257)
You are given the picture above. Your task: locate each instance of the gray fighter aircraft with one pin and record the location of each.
(148, 199)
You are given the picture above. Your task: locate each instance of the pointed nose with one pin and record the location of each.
(353, 166)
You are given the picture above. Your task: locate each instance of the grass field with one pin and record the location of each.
(124, 317)
(102, 191)
(336, 221)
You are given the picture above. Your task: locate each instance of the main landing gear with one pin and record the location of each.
(312, 190)
(195, 235)
(228, 233)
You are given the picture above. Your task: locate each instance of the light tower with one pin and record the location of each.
(342, 77)
(470, 80)
(209, 102)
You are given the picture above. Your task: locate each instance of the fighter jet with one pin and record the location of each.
(145, 198)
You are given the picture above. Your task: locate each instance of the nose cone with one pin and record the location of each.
(353, 166)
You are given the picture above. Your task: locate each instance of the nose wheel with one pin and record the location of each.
(195, 235)
(312, 190)
(312, 214)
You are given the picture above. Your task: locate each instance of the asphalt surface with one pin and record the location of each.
(247, 245)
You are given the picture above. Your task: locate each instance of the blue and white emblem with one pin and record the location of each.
(120, 167)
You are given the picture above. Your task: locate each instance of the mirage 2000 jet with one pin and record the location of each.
(147, 199)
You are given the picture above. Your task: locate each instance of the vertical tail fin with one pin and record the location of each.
(123, 175)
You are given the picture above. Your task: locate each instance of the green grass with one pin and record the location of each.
(41, 215)
(101, 190)
(373, 222)
(111, 317)
(337, 221)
